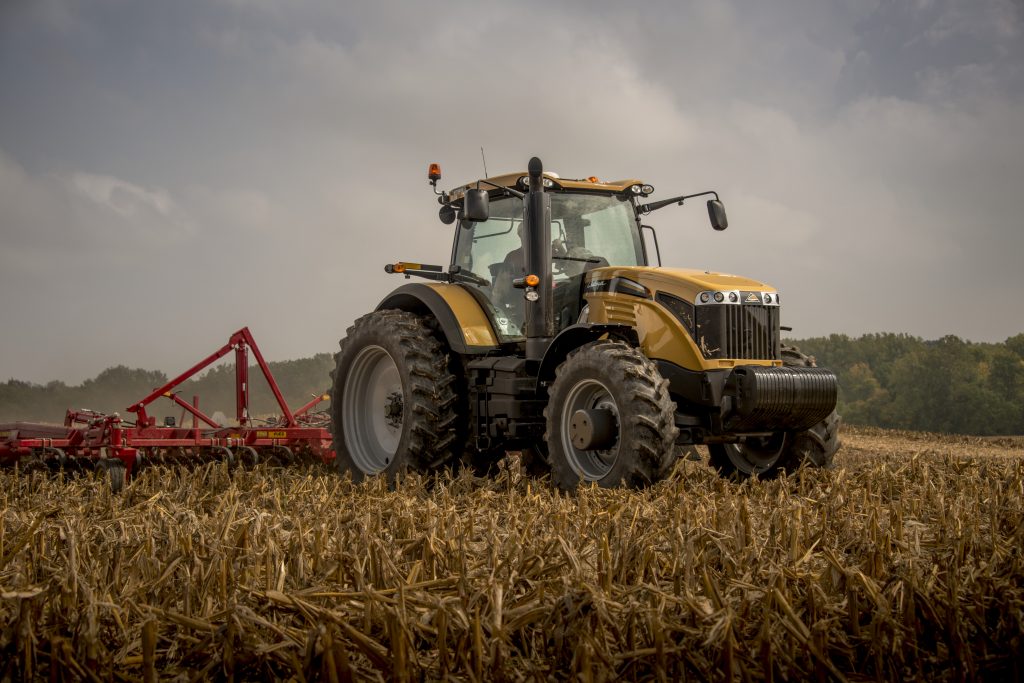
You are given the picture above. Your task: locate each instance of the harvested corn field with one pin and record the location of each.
(905, 562)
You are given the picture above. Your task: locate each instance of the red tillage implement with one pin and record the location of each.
(122, 447)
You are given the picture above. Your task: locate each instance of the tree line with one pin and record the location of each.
(886, 380)
(943, 385)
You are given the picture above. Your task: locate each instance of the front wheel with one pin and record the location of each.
(609, 419)
(817, 446)
(393, 398)
(754, 456)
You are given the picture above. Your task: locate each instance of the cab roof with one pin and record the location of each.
(512, 180)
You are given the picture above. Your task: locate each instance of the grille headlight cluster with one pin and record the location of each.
(741, 297)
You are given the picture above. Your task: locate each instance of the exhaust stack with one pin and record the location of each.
(540, 322)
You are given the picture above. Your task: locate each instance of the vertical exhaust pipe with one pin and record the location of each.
(540, 321)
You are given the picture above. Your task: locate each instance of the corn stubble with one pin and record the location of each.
(905, 562)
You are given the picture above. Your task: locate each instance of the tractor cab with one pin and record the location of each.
(592, 226)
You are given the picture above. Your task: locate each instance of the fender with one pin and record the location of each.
(574, 337)
(463, 321)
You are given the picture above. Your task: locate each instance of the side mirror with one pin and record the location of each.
(447, 214)
(716, 212)
(475, 206)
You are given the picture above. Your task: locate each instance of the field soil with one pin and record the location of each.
(906, 561)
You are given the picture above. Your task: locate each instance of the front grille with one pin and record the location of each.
(744, 331)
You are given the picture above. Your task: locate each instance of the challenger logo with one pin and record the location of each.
(752, 298)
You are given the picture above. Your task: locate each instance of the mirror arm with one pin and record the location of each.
(515, 193)
(654, 206)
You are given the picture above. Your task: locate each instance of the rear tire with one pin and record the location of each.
(817, 446)
(393, 398)
(610, 375)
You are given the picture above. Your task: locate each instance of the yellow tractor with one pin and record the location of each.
(552, 333)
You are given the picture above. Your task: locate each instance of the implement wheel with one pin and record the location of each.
(393, 398)
(609, 419)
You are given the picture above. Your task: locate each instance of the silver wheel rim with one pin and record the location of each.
(373, 410)
(756, 457)
(588, 394)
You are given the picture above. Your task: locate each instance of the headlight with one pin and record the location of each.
(704, 297)
(719, 297)
(733, 297)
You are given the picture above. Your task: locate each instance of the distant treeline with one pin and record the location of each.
(946, 385)
(886, 380)
(116, 388)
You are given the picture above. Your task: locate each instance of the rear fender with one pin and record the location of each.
(462, 319)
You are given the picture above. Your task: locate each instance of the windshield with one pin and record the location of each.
(601, 225)
(587, 231)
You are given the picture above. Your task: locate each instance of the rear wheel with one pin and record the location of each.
(393, 398)
(609, 418)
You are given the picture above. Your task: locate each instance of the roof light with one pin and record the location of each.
(434, 172)
(593, 179)
(636, 189)
(647, 189)
(525, 181)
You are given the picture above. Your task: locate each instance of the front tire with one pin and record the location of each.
(618, 380)
(393, 398)
(817, 446)
(759, 456)
(781, 452)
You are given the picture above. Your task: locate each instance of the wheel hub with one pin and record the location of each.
(590, 429)
(393, 409)
(593, 429)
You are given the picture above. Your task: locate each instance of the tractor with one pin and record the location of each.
(555, 332)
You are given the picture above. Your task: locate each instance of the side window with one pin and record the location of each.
(492, 252)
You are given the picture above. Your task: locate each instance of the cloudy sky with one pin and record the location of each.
(170, 172)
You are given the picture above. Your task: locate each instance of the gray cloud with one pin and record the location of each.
(195, 167)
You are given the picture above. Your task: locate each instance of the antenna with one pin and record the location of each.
(484, 160)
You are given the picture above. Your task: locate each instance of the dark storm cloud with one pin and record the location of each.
(198, 166)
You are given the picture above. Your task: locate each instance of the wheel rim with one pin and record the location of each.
(756, 455)
(373, 410)
(588, 394)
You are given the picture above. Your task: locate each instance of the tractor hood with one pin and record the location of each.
(682, 282)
